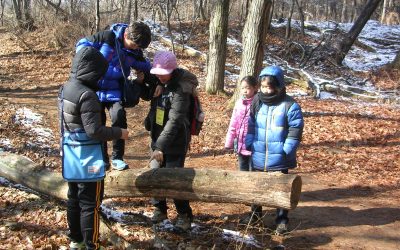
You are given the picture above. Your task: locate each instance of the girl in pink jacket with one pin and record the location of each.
(238, 125)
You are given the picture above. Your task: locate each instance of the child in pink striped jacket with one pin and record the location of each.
(238, 125)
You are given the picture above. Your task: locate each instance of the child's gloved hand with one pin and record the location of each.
(157, 155)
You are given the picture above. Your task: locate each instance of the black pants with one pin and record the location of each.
(281, 214)
(84, 199)
(182, 206)
(118, 119)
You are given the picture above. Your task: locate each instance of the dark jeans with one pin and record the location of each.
(182, 206)
(83, 205)
(244, 162)
(281, 214)
(118, 119)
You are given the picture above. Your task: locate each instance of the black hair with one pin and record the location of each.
(270, 79)
(140, 33)
(251, 80)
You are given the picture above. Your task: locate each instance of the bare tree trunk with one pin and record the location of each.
(97, 25)
(333, 10)
(135, 11)
(128, 12)
(253, 39)
(29, 22)
(271, 13)
(342, 44)
(354, 13)
(326, 10)
(344, 10)
(3, 2)
(289, 21)
(384, 8)
(168, 12)
(17, 10)
(210, 185)
(201, 8)
(301, 15)
(217, 48)
(282, 9)
(71, 7)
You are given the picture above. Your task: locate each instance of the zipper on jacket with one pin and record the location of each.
(266, 141)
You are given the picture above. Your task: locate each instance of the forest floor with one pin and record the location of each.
(349, 161)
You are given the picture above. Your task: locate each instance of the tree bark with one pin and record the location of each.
(97, 25)
(268, 189)
(201, 8)
(342, 44)
(289, 21)
(135, 11)
(3, 2)
(384, 8)
(301, 15)
(343, 16)
(17, 11)
(217, 48)
(253, 39)
(128, 12)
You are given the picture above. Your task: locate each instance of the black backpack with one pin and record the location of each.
(196, 115)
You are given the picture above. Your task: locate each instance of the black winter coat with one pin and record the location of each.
(81, 106)
(173, 135)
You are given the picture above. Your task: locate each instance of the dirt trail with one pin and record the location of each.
(341, 207)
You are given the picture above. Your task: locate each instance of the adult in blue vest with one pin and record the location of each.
(274, 133)
(122, 46)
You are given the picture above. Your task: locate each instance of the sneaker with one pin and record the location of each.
(119, 164)
(251, 219)
(158, 216)
(77, 245)
(281, 229)
(184, 222)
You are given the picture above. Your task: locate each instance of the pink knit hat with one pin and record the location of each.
(164, 63)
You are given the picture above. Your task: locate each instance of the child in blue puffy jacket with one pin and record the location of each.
(274, 133)
(122, 46)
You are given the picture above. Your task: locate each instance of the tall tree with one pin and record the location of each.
(22, 11)
(217, 48)
(343, 42)
(344, 10)
(97, 15)
(384, 8)
(253, 39)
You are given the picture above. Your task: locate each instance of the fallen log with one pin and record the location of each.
(185, 50)
(221, 186)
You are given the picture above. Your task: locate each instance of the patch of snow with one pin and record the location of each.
(239, 237)
(32, 120)
(27, 117)
(232, 77)
(297, 93)
(5, 143)
(112, 214)
(326, 95)
(4, 181)
(383, 39)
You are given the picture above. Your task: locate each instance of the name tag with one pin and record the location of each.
(160, 116)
